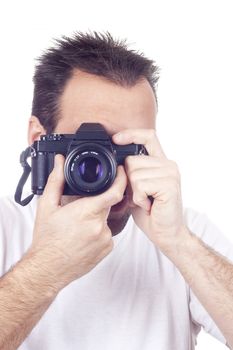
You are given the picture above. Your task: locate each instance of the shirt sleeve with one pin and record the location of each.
(201, 226)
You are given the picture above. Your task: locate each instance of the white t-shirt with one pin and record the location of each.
(134, 299)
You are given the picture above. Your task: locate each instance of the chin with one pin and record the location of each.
(117, 223)
(118, 217)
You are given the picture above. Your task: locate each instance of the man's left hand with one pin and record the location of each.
(157, 177)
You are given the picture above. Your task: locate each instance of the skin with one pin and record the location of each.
(89, 98)
(72, 235)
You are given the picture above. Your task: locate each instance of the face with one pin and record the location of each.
(89, 98)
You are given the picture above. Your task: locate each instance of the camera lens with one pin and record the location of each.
(90, 169)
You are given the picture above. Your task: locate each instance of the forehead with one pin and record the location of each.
(90, 98)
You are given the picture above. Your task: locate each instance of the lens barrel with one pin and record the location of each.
(90, 169)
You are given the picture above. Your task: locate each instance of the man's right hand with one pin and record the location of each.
(72, 239)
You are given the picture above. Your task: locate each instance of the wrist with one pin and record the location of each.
(42, 269)
(178, 243)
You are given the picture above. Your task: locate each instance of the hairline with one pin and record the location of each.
(75, 72)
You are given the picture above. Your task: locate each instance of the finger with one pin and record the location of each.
(146, 137)
(114, 194)
(141, 174)
(141, 200)
(53, 191)
(151, 167)
(104, 201)
(162, 190)
(137, 195)
(145, 162)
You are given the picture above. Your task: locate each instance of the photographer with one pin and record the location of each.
(128, 268)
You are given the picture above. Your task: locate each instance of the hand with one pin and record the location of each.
(155, 176)
(74, 238)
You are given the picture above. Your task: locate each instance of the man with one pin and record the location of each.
(116, 270)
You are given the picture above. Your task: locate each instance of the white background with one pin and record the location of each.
(192, 43)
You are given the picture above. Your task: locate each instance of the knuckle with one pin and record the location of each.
(137, 185)
(109, 247)
(97, 229)
(137, 199)
(107, 238)
(136, 180)
(129, 161)
(173, 186)
(174, 168)
(118, 196)
(133, 177)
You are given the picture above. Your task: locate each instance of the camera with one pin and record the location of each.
(91, 159)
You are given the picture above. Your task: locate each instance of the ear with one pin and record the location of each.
(35, 129)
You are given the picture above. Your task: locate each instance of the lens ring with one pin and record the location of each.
(99, 154)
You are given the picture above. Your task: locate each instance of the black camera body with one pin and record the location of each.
(91, 159)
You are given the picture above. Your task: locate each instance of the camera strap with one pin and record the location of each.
(26, 172)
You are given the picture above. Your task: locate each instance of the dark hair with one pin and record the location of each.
(94, 53)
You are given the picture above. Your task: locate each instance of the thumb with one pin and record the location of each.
(114, 194)
(51, 197)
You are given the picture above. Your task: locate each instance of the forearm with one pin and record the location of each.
(210, 275)
(25, 294)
